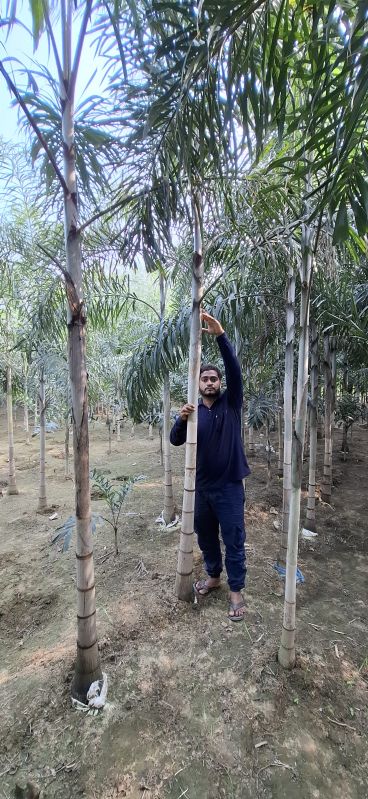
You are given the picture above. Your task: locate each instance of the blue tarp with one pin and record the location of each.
(281, 571)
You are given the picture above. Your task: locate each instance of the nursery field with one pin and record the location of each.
(198, 707)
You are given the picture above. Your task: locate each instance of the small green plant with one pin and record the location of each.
(114, 496)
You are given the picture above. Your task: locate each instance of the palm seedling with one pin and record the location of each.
(114, 496)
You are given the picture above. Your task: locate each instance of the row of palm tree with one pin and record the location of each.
(211, 101)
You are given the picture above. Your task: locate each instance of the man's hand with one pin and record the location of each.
(214, 327)
(185, 411)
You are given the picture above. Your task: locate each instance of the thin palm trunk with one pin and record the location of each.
(269, 473)
(169, 506)
(288, 412)
(286, 653)
(344, 443)
(87, 668)
(66, 448)
(183, 583)
(118, 419)
(42, 500)
(36, 409)
(12, 484)
(310, 522)
(26, 415)
(108, 423)
(279, 438)
(326, 483)
(66, 438)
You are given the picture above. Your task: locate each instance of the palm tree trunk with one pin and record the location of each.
(310, 521)
(288, 412)
(169, 506)
(66, 448)
(269, 474)
(12, 484)
(326, 484)
(42, 501)
(26, 416)
(183, 583)
(286, 653)
(36, 409)
(344, 444)
(108, 423)
(118, 419)
(280, 464)
(251, 447)
(87, 668)
(150, 431)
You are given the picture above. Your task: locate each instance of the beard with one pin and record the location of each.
(210, 392)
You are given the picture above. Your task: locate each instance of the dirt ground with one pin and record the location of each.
(198, 707)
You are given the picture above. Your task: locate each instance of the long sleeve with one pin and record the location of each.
(234, 382)
(178, 434)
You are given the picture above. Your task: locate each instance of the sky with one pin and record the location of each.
(19, 45)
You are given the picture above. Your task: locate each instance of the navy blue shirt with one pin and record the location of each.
(220, 452)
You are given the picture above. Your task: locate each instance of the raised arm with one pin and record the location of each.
(234, 383)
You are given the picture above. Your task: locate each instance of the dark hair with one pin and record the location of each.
(207, 367)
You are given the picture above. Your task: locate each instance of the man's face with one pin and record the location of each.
(209, 384)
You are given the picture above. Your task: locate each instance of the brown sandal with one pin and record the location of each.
(202, 584)
(236, 606)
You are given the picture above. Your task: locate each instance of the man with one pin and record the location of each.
(221, 466)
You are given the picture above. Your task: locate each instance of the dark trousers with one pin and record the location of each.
(222, 507)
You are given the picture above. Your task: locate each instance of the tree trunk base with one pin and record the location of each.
(12, 491)
(310, 524)
(184, 587)
(169, 516)
(83, 678)
(325, 497)
(286, 657)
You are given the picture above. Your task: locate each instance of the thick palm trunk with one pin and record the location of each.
(87, 668)
(42, 501)
(183, 583)
(288, 412)
(12, 484)
(310, 521)
(286, 653)
(326, 483)
(169, 506)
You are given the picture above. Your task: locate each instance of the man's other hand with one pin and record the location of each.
(214, 327)
(185, 411)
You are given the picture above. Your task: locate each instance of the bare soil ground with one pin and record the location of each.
(198, 708)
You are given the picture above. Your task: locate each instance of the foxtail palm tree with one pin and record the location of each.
(184, 571)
